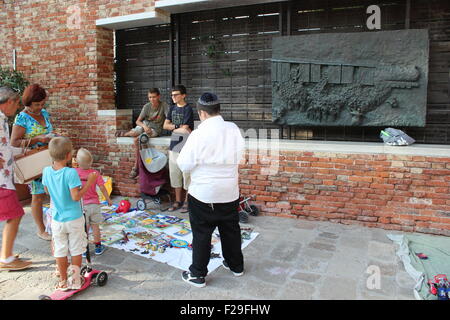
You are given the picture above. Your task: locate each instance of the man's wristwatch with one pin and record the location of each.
(177, 126)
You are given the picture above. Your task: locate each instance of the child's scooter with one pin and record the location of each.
(96, 277)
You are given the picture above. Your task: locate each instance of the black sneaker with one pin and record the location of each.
(198, 282)
(226, 266)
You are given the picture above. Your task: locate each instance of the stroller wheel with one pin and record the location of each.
(243, 217)
(143, 138)
(101, 279)
(255, 210)
(141, 205)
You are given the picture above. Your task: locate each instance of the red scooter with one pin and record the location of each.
(91, 276)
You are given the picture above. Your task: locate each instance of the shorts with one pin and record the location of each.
(140, 130)
(93, 213)
(48, 219)
(69, 238)
(10, 207)
(178, 179)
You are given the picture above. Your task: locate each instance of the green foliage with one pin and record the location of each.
(214, 49)
(15, 80)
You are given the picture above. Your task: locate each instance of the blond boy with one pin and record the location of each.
(68, 224)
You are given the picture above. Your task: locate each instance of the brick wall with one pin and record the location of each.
(407, 193)
(73, 60)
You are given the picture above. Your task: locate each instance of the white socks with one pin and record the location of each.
(8, 260)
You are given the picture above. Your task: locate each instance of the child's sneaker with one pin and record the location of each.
(99, 249)
(198, 282)
(226, 266)
(75, 281)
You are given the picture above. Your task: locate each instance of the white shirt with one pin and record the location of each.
(212, 154)
(7, 153)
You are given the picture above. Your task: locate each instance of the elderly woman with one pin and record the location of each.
(32, 126)
(10, 209)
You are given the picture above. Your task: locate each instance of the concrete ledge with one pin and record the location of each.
(425, 150)
(358, 147)
(159, 141)
(134, 20)
(180, 6)
(115, 112)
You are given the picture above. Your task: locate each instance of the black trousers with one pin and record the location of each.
(204, 219)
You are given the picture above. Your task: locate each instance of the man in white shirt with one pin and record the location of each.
(211, 155)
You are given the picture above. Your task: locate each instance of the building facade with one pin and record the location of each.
(86, 55)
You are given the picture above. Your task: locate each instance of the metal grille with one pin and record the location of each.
(142, 62)
(228, 51)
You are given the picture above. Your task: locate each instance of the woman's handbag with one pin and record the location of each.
(29, 165)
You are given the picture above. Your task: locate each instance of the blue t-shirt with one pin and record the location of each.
(58, 183)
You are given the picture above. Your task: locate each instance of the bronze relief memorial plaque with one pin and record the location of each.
(351, 79)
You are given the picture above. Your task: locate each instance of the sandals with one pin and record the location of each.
(176, 205)
(44, 236)
(62, 286)
(184, 208)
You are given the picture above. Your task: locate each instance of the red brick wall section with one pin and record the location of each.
(407, 193)
(59, 46)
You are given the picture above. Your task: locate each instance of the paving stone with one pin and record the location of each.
(162, 289)
(258, 289)
(9, 288)
(305, 224)
(28, 294)
(286, 251)
(404, 280)
(380, 235)
(329, 235)
(348, 266)
(307, 277)
(207, 292)
(322, 246)
(333, 288)
(290, 259)
(386, 269)
(386, 289)
(405, 294)
(297, 291)
(298, 235)
(272, 271)
(316, 253)
(352, 243)
(111, 256)
(381, 251)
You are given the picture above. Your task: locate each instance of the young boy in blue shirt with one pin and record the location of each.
(68, 226)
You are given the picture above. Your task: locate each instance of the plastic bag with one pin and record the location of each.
(395, 137)
(107, 185)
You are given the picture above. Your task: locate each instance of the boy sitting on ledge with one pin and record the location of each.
(151, 118)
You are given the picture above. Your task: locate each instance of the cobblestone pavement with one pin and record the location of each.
(290, 259)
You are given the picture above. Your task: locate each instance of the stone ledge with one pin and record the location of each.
(159, 141)
(115, 112)
(426, 150)
(326, 146)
